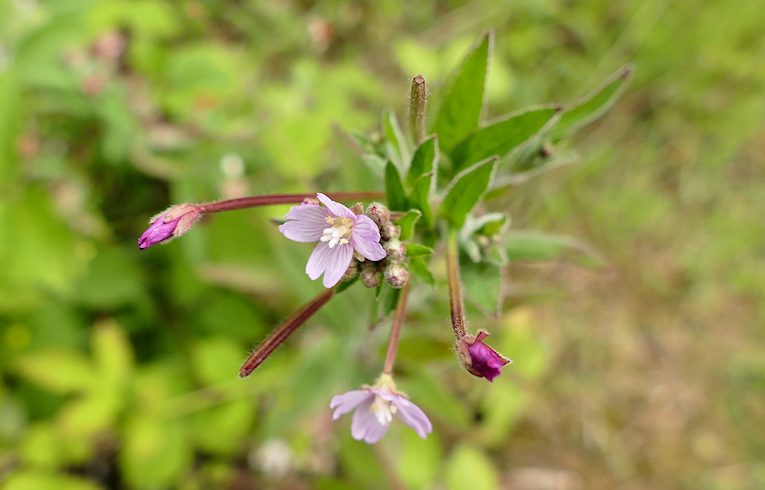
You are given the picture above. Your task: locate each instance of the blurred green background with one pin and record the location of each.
(118, 368)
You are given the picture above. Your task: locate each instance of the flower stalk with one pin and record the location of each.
(455, 286)
(395, 331)
(283, 331)
(273, 199)
(417, 107)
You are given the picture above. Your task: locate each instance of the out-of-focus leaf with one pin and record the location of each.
(468, 467)
(424, 161)
(536, 246)
(440, 404)
(420, 269)
(39, 447)
(417, 250)
(502, 136)
(418, 461)
(43, 480)
(519, 340)
(394, 189)
(112, 353)
(113, 279)
(466, 190)
(89, 415)
(408, 222)
(359, 461)
(502, 407)
(221, 429)
(57, 370)
(155, 453)
(593, 105)
(216, 360)
(460, 108)
(483, 285)
(396, 144)
(388, 298)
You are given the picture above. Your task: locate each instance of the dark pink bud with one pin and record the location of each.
(480, 359)
(169, 224)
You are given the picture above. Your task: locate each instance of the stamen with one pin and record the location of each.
(339, 232)
(382, 410)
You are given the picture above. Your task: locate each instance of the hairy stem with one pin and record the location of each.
(283, 331)
(253, 201)
(417, 106)
(395, 331)
(455, 286)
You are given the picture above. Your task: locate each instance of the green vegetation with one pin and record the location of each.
(633, 302)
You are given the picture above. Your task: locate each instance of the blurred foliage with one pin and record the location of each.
(637, 346)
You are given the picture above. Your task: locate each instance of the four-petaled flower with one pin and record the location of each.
(480, 359)
(375, 406)
(171, 223)
(338, 231)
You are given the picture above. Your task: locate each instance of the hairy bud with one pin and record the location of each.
(395, 249)
(371, 276)
(396, 275)
(379, 214)
(388, 231)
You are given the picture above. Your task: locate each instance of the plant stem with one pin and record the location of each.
(395, 331)
(455, 286)
(283, 331)
(417, 106)
(253, 201)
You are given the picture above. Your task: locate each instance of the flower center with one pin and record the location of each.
(382, 410)
(339, 231)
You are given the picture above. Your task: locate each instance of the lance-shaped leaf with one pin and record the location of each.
(593, 105)
(417, 250)
(502, 136)
(396, 145)
(394, 189)
(424, 161)
(460, 109)
(538, 246)
(408, 222)
(466, 190)
(420, 269)
(420, 195)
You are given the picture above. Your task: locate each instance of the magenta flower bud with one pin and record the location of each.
(171, 223)
(480, 359)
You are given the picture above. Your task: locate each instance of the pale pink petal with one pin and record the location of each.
(306, 224)
(365, 425)
(413, 416)
(336, 208)
(342, 404)
(339, 258)
(366, 239)
(317, 262)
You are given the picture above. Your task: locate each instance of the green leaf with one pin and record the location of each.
(388, 298)
(539, 246)
(408, 222)
(424, 161)
(466, 190)
(394, 189)
(420, 269)
(478, 232)
(470, 468)
(460, 109)
(396, 144)
(483, 286)
(418, 460)
(416, 250)
(56, 370)
(593, 105)
(420, 196)
(154, 453)
(502, 136)
(112, 353)
(43, 480)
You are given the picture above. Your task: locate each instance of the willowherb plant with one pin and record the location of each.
(435, 186)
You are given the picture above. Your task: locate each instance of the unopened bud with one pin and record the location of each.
(169, 224)
(358, 208)
(478, 358)
(389, 231)
(395, 249)
(370, 275)
(379, 214)
(396, 275)
(351, 271)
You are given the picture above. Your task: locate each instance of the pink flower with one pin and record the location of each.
(171, 223)
(480, 359)
(375, 407)
(338, 231)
